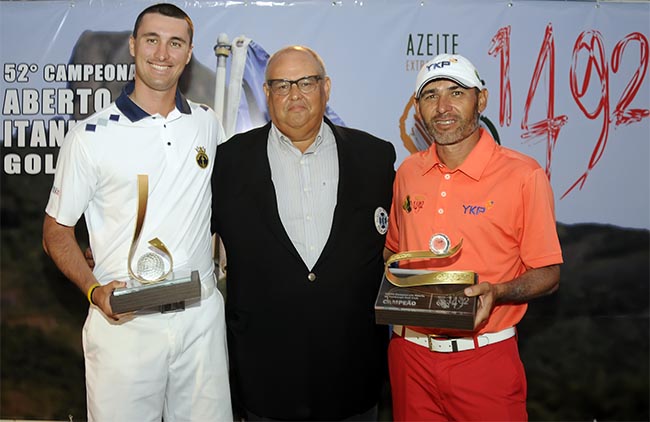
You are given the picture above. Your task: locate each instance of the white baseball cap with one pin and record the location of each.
(448, 66)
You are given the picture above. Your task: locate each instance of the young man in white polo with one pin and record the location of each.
(151, 365)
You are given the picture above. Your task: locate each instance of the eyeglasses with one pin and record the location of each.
(283, 86)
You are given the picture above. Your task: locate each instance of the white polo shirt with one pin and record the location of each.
(96, 176)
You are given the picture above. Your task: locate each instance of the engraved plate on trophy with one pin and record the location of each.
(152, 283)
(156, 296)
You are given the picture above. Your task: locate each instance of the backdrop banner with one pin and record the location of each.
(568, 81)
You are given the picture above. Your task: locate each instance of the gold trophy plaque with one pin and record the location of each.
(426, 298)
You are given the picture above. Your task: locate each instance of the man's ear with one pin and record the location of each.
(327, 86)
(416, 105)
(189, 55)
(482, 100)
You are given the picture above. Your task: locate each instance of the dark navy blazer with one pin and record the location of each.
(303, 346)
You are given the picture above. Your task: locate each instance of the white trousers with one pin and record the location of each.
(172, 366)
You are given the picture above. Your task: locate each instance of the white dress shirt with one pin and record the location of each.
(306, 186)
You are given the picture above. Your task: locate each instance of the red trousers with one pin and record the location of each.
(484, 384)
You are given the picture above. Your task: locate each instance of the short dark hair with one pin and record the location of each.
(164, 9)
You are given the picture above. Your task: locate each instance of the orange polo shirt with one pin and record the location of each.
(498, 201)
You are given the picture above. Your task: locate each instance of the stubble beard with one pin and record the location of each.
(462, 132)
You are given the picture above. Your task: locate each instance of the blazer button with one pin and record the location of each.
(311, 276)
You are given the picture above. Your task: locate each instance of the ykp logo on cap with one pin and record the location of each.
(440, 65)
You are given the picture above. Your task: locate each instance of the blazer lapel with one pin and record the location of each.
(346, 187)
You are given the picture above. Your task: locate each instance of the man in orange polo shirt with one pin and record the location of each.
(500, 203)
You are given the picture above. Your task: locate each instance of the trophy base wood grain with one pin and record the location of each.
(157, 295)
(436, 306)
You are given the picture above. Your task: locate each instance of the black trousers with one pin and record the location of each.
(369, 415)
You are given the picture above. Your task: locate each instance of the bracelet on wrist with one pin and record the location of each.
(90, 292)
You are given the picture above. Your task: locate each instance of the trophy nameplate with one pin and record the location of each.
(437, 306)
(140, 296)
(153, 283)
(426, 298)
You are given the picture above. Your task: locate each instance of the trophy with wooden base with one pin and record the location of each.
(153, 284)
(426, 298)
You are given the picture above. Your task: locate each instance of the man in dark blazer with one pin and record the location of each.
(301, 207)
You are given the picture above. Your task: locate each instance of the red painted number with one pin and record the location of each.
(551, 125)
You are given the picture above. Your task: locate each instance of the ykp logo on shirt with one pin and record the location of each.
(477, 209)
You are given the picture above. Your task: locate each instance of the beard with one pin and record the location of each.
(464, 128)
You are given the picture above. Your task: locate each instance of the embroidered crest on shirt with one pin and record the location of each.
(201, 157)
(413, 203)
(381, 220)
